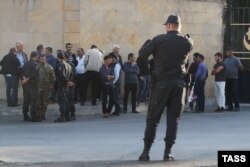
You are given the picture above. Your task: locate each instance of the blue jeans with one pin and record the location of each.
(143, 89)
(11, 89)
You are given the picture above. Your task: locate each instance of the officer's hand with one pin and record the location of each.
(142, 78)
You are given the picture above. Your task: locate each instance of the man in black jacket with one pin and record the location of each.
(72, 56)
(29, 81)
(170, 52)
(64, 76)
(10, 69)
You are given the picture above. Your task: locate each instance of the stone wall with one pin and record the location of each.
(106, 22)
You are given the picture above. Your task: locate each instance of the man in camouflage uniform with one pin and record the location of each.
(46, 80)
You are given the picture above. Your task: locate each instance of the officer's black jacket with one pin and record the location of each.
(170, 52)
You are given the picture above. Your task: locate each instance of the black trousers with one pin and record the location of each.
(79, 88)
(94, 77)
(130, 87)
(199, 91)
(63, 101)
(231, 92)
(107, 91)
(170, 94)
(117, 97)
(71, 98)
(30, 95)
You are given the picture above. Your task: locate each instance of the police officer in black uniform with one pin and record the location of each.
(170, 52)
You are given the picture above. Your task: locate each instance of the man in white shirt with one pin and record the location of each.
(21, 55)
(93, 62)
(80, 70)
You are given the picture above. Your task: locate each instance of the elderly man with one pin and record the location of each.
(117, 59)
(21, 55)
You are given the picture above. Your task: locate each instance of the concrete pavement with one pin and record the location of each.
(95, 141)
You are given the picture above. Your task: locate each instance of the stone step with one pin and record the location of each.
(53, 109)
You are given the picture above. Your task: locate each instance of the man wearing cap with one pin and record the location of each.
(170, 52)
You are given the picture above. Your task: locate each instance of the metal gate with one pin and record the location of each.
(237, 36)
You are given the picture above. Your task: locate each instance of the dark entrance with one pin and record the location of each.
(237, 36)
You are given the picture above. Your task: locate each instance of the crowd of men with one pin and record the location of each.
(225, 73)
(65, 78)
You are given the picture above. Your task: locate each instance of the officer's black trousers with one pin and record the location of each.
(164, 94)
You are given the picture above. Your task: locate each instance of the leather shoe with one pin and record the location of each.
(26, 118)
(60, 119)
(33, 119)
(135, 112)
(168, 157)
(237, 109)
(14, 105)
(115, 113)
(144, 157)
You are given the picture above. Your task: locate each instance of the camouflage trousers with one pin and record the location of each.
(42, 103)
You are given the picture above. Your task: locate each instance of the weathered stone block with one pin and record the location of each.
(72, 27)
(72, 16)
(71, 4)
(72, 37)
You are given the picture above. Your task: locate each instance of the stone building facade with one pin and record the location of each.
(106, 22)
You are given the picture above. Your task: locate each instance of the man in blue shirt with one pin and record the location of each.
(131, 71)
(51, 60)
(107, 75)
(200, 77)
